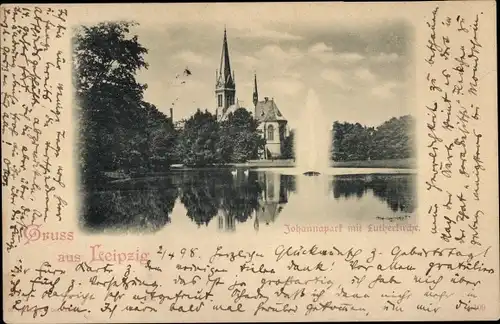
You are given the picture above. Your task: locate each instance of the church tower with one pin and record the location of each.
(255, 92)
(225, 86)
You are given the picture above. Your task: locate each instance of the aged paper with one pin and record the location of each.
(285, 162)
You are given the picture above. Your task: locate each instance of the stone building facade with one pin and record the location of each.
(272, 124)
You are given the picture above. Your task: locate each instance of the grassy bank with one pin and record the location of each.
(393, 164)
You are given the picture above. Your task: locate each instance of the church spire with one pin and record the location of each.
(255, 92)
(225, 86)
(225, 65)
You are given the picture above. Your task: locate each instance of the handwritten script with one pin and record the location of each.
(292, 279)
(32, 103)
(454, 133)
(330, 278)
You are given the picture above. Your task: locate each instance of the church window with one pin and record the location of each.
(270, 133)
(219, 100)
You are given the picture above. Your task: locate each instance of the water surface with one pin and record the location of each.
(222, 200)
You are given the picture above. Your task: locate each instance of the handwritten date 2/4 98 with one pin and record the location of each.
(183, 253)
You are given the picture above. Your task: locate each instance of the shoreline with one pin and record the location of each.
(409, 163)
(399, 164)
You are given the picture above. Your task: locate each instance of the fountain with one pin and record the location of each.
(313, 143)
(312, 150)
(313, 138)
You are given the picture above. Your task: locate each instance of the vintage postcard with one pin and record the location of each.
(235, 162)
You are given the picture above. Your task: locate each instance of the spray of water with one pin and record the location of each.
(313, 138)
(312, 152)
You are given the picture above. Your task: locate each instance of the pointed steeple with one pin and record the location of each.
(255, 92)
(225, 85)
(225, 65)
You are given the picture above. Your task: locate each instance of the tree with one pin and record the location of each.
(240, 139)
(111, 112)
(394, 139)
(161, 138)
(289, 146)
(350, 142)
(198, 143)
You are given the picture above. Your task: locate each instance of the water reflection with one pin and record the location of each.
(273, 197)
(230, 197)
(396, 190)
(200, 193)
(133, 205)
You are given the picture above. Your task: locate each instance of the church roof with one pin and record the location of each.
(225, 79)
(230, 109)
(267, 111)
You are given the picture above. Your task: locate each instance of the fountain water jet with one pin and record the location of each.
(313, 138)
(312, 153)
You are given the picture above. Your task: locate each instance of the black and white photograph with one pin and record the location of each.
(244, 126)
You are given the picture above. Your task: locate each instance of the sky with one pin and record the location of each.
(360, 72)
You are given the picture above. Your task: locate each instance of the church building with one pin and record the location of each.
(272, 123)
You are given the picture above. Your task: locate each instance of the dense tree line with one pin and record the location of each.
(394, 139)
(205, 141)
(120, 132)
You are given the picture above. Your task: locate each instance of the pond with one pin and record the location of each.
(224, 201)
